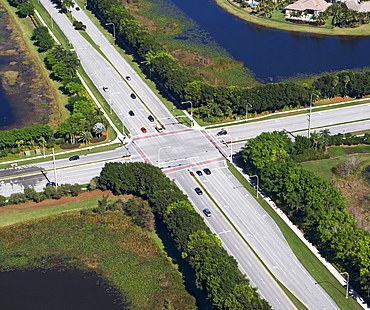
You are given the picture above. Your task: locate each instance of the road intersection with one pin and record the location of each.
(238, 219)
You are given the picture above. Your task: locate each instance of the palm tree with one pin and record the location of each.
(85, 137)
(19, 143)
(324, 138)
(346, 80)
(334, 83)
(315, 139)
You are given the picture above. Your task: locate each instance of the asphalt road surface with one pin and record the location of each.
(179, 150)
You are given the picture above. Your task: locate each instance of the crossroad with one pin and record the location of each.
(246, 231)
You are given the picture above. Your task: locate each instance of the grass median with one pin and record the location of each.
(290, 295)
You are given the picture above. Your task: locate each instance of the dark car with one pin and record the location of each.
(77, 8)
(198, 191)
(76, 157)
(151, 118)
(207, 171)
(128, 78)
(207, 212)
(143, 129)
(199, 172)
(131, 113)
(222, 132)
(51, 184)
(133, 96)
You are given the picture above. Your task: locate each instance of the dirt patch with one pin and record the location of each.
(356, 193)
(63, 200)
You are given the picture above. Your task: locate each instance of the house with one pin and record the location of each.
(305, 10)
(358, 6)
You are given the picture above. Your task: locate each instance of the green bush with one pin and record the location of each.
(68, 146)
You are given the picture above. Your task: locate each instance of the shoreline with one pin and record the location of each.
(243, 13)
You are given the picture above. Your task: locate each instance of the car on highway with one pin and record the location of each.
(105, 88)
(77, 8)
(128, 78)
(75, 157)
(51, 184)
(159, 128)
(207, 212)
(207, 171)
(133, 96)
(143, 129)
(198, 191)
(151, 118)
(222, 132)
(131, 113)
(199, 173)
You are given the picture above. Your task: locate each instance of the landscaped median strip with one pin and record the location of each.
(318, 108)
(295, 300)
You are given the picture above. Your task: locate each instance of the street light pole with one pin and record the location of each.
(191, 112)
(257, 188)
(309, 117)
(246, 110)
(345, 272)
(163, 147)
(150, 67)
(55, 170)
(114, 30)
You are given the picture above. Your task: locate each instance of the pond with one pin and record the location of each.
(6, 115)
(24, 95)
(270, 53)
(45, 290)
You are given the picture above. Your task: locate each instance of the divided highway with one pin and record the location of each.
(179, 150)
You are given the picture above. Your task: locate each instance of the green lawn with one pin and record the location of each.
(14, 216)
(324, 167)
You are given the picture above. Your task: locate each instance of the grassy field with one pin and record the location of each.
(306, 257)
(11, 216)
(324, 167)
(109, 244)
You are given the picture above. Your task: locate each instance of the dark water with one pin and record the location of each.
(6, 114)
(53, 290)
(271, 53)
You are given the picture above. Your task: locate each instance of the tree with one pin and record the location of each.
(73, 87)
(66, 4)
(32, 194)
(17, 198)
(26, 9)
(315, 139)
(85, 137)
(140, 212)
(347, 167)
(79, 25)
(346, 80)
(2, 201)
(98, 129)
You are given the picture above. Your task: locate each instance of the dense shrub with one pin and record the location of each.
(68, 146)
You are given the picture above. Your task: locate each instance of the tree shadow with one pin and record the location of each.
(184, 267)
